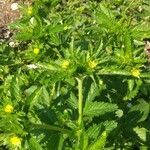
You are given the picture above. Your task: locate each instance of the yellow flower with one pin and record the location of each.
(135, 72)
(8, 108)
(30, 10)
(36, 51)
(65, 64)
(92, 64)
(16, 141)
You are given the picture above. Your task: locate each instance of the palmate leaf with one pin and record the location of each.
(92, 109)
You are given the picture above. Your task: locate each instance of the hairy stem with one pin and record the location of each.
(50, 127)
(80, 101)
(80, 107)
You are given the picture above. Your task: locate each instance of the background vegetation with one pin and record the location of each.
(75, 76)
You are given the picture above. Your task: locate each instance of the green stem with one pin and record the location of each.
(80, 108)
(80, 101)
(50, 127)
(61, 142)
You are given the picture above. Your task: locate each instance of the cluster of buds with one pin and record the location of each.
(8, 108)
(92, 64)
(15, 141)
(135, 72)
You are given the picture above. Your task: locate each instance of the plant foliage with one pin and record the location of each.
(76, 77)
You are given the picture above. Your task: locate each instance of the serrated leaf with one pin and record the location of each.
(141, 132)
(34, 145)
(45, 96)
(98, 108)
(93, 92)
(119, 113)
(30, 90)
(33, 98)
(128, 45)
(100, 143)
(55, 29)
(15, 89)
(25, 34)
(55, 39)
(105, 17)
(142, 108)
(130, 84)
(72, 100)
(110, 125)
(133, 89)
(94, 130)
(49, 67)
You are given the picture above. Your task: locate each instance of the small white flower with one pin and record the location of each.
(32, 20)
(12, 44)
(14, 6)
(32, 66)
(123, 46)
(140, 8)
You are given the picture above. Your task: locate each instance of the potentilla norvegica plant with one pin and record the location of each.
(78, 77)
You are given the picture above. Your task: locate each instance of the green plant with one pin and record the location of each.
(77, 78)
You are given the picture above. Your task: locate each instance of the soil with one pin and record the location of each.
(7, 16)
